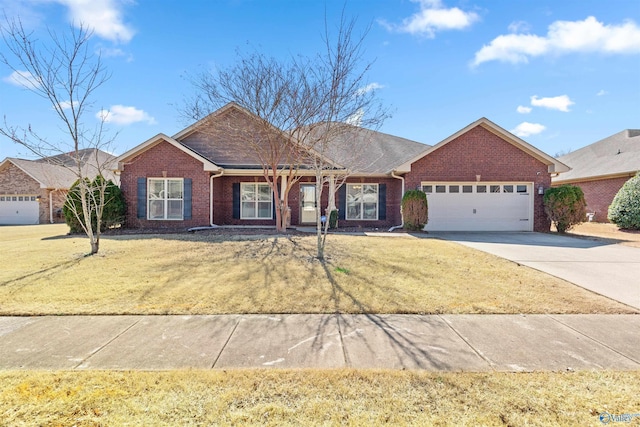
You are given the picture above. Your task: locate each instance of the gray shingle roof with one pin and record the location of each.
(58, 171)
(616, 155)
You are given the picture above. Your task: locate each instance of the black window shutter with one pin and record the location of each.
(142, 198)
(187, 198)
(382, 201)
(342, 201)
(236, 200)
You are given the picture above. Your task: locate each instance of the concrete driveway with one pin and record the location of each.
(608, 269)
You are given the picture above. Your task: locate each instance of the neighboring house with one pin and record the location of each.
(601, 169)
(34, 191)
(481, 178)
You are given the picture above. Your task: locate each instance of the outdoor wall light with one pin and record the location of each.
(38, 199)
(478, 178)
(541, 190)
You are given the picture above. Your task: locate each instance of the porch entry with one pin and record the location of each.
(307, 203)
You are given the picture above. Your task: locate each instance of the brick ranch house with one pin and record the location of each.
(601, 169)
(34, 191)
(480, 178)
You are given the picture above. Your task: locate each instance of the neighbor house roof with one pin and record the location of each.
(59, 171)
(553, 165)
(617, 155)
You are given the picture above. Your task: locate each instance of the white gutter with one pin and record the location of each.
(211, 197)
(51, 206)
(401, 178)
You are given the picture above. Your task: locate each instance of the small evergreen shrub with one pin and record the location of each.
(333, 219)
(624, 211)
(565, 206)
(114, 208)
(415, 210)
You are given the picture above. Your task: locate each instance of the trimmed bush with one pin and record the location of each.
(114, 208)
(415, 210)
(624, 211)
(565, 206)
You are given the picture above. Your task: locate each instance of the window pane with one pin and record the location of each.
(174, 208)
(1, 198)
(521, 188)
(156, 189)
(264, 210)
(481, 189)
(427, 188)
(467, 188)
(156, 209)
(454, 189)
(248, 191)
(353, 210)
(370, 211)
(441, 189)
(508, 188)
(354, 190)
(14, 198)
(248, 210)
(495, 188)
(264, 192)
(175, 189)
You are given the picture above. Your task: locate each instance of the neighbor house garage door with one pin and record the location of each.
(18, 209)
(499, 206)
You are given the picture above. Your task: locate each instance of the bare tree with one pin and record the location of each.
(262, 86)
(65, 72)
(310, 109)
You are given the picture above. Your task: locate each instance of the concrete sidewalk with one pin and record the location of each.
(472, 343)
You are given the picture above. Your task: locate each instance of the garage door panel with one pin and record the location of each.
(19, 212)
(486, 211)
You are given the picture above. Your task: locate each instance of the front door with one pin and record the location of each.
(307, 203)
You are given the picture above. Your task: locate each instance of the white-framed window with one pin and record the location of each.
(165, 198)
(256, 201)
(362, 201)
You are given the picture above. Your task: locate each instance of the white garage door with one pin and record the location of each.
(17, 210)
(499, 206)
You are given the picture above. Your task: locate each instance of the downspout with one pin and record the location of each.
(401, 178)
(51, 206)
(211, 197)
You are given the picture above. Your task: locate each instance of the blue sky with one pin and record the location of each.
(559, 74)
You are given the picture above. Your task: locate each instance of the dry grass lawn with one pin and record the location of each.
(607, 231)
(44, 273)
(312, 397)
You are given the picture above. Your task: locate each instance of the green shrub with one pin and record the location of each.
(565, 206)
(333, 219)
(113, 212)
(415, 210)
(624, 211)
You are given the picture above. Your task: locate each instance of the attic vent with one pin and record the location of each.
(633, 133)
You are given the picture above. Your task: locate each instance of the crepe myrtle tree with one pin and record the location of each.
(308, 109)
(63, 70)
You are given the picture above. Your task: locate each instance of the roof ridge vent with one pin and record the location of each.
(631, 133)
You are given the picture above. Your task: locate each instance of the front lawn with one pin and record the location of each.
(45, 272)
(317, 397)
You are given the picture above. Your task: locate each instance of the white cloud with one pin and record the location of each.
(104, 17)
(369, 88)
(525, 129)
(433, 16)
(563, 37)
(560, 103)
(602, 92)
(519, 27)
(523, 110)
(356, 118)
(123, 115)
(65, 105)
(23, 79)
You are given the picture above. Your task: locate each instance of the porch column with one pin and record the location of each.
(332, 194)
(283, 186)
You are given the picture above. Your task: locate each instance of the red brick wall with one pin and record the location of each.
(14, 181)
(223, 202)
(155, 162)
(599, 194)
(480, 152)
